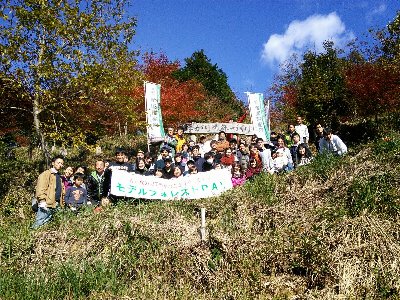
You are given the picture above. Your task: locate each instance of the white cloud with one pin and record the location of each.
(307, 34)
(381, 9)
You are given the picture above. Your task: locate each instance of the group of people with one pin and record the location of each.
(180, 155)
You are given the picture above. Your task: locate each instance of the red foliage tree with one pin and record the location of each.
(373, 87)
(181, 102)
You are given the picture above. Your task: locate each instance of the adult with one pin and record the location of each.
(228, 159)
(265, 153)
(141, 168)
(196, 157)
(252, 169)
(319, 134)
(273, 138)
(168, 170)
(177, 173)
(233, 145)
(217, 156)
(302, 130)
(293, 148)
(178, 162)
(263, 159)
(208, 162)
(204, 145)
(68, 177)
(160, 163)
(170, 141)
(289, 135)
(180, 138)
(119, 164)
(331, 143)
(139, 156)
(49, 192)
(242, 156)
(148, 159)
(304, 155)
(222, 143)
(95, 183)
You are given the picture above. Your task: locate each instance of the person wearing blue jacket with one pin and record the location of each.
(76, 196)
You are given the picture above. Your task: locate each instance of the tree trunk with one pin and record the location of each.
(36, 122)
(37, 110)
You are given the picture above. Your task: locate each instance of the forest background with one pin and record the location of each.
(69, 81)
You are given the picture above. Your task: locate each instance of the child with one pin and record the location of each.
(238, 177)
(76, 195)
(280, 161)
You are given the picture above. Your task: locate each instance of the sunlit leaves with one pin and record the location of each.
(51, 49)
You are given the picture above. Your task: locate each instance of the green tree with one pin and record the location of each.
(48, 47)
(322, 89)
(214, 80)
(390, 40)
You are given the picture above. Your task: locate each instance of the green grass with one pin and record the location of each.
(327, 230)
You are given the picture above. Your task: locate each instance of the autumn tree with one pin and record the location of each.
(181, 101)
(49, 47)
(372, 88)
(283, 93)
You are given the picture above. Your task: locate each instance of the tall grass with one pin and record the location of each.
(329, 230)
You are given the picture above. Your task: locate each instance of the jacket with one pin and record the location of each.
(46, 189)
(94, 186)
(76, 196)
(335, 145)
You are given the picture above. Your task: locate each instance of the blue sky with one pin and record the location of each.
(248, 39)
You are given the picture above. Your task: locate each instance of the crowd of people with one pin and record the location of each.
(182, 155)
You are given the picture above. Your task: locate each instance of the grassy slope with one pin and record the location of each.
(328, 230)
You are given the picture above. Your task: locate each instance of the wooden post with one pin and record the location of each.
(203, 224)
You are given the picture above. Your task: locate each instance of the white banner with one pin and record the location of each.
(259, 116)
(237, 128)
(155, 129)
(196, 186)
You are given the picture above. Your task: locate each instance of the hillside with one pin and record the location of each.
(329, 230)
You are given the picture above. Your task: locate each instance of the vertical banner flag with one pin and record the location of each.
(259, 115)
(155, 129)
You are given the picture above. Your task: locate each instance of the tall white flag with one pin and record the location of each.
(259, 115)
(155, 129)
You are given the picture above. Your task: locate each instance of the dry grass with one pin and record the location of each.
(286, 237)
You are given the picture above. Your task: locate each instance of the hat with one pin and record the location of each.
(140, 151)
